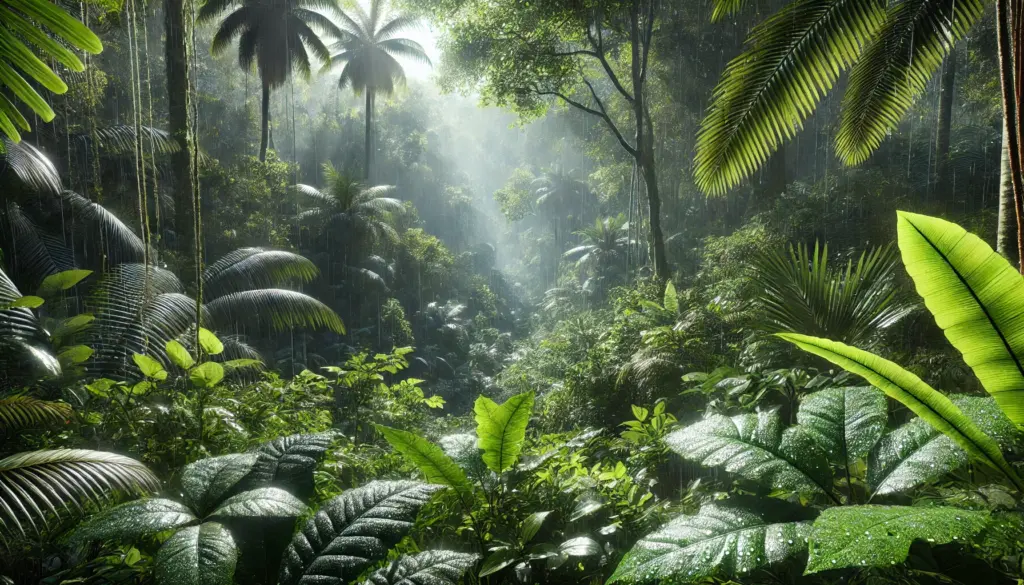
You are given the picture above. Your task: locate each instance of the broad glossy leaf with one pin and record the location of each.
(289, 462)
(197, 555)
(352, 531)
(975, 296)
(179, 355)
(432, 567)
(207, 481)
(209, 342)
(917, 453)
(502, 429)
(26, 302)
(498, 560)
(914, 393)
(267, 502)
(432, 462)
(206, 375)
(149, 367)
(74, 354)
(845, 422)
(722, 538)
(880, 536)
(61, 281)
(133, 520)
(532, 525)
(755, 447)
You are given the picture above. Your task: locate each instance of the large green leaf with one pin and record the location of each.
(352, 531)
(791, 61)
(845, 422)
(266, 502)
(207, 481)
(917, 453)
(433, 463)
(975, 297)
(133, 520)
(502, 429)
(880, 536)
(432, 567)
(197, 555)
(755, 447)
(61, 281)
(289, 462)
(720, 538)
(915, 394)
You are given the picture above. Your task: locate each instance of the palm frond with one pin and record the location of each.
(253, 268)
(18, 412)
(281, 309)
(233, 26)
(33, 254)
(895, 69)
(766, 93)
(38, 486)
(406, 49)
(31, 167)
(121, 244)
(397, 25)
(121, 139)
(801, 293)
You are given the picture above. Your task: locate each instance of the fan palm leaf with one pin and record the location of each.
(282, 309)
(38, 486)
(252, 268)
(800, 292)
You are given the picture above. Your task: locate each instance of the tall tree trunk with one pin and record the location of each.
(1009, 73)
(943, 182)
(1006, 234)
(176, 61)
(368, 146)
(265, 122)
(640, 43)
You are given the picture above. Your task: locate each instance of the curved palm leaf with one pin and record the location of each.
(766, 93)
(974, 295)
(252, 268)
(33, 168)
(18, 412)
(46, 26)
(282, 309)
(38, 485)
(913, 393)
(121, 244)
(896, 67)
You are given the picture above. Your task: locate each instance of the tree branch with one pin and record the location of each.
(598, 52)
(601, 113)
(648, 36)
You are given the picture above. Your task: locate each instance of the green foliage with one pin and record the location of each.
(973, 294)
(436, 567)
(197, 555)
(739, 540)
(878, 536)
(502, 429)
(352, 531)
(436, 466)
(802, 293)
(844, 422)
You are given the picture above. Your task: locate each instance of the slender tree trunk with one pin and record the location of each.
(368, 146)
(645, 140)
(947, 90)
(1006, 234)
(1009, 73)
(176, 60)
(265, 127)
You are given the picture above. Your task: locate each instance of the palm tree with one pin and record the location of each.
(360, 215)
(602, 250)
(275, 36)
(367, 48)
(891, 49)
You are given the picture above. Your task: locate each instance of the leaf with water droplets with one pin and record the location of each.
(845, 422)
(723, 538)
(880, 536)
(916, 453)
(755, 447)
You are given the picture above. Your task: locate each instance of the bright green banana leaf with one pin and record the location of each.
(977, 299)
(914, 393)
